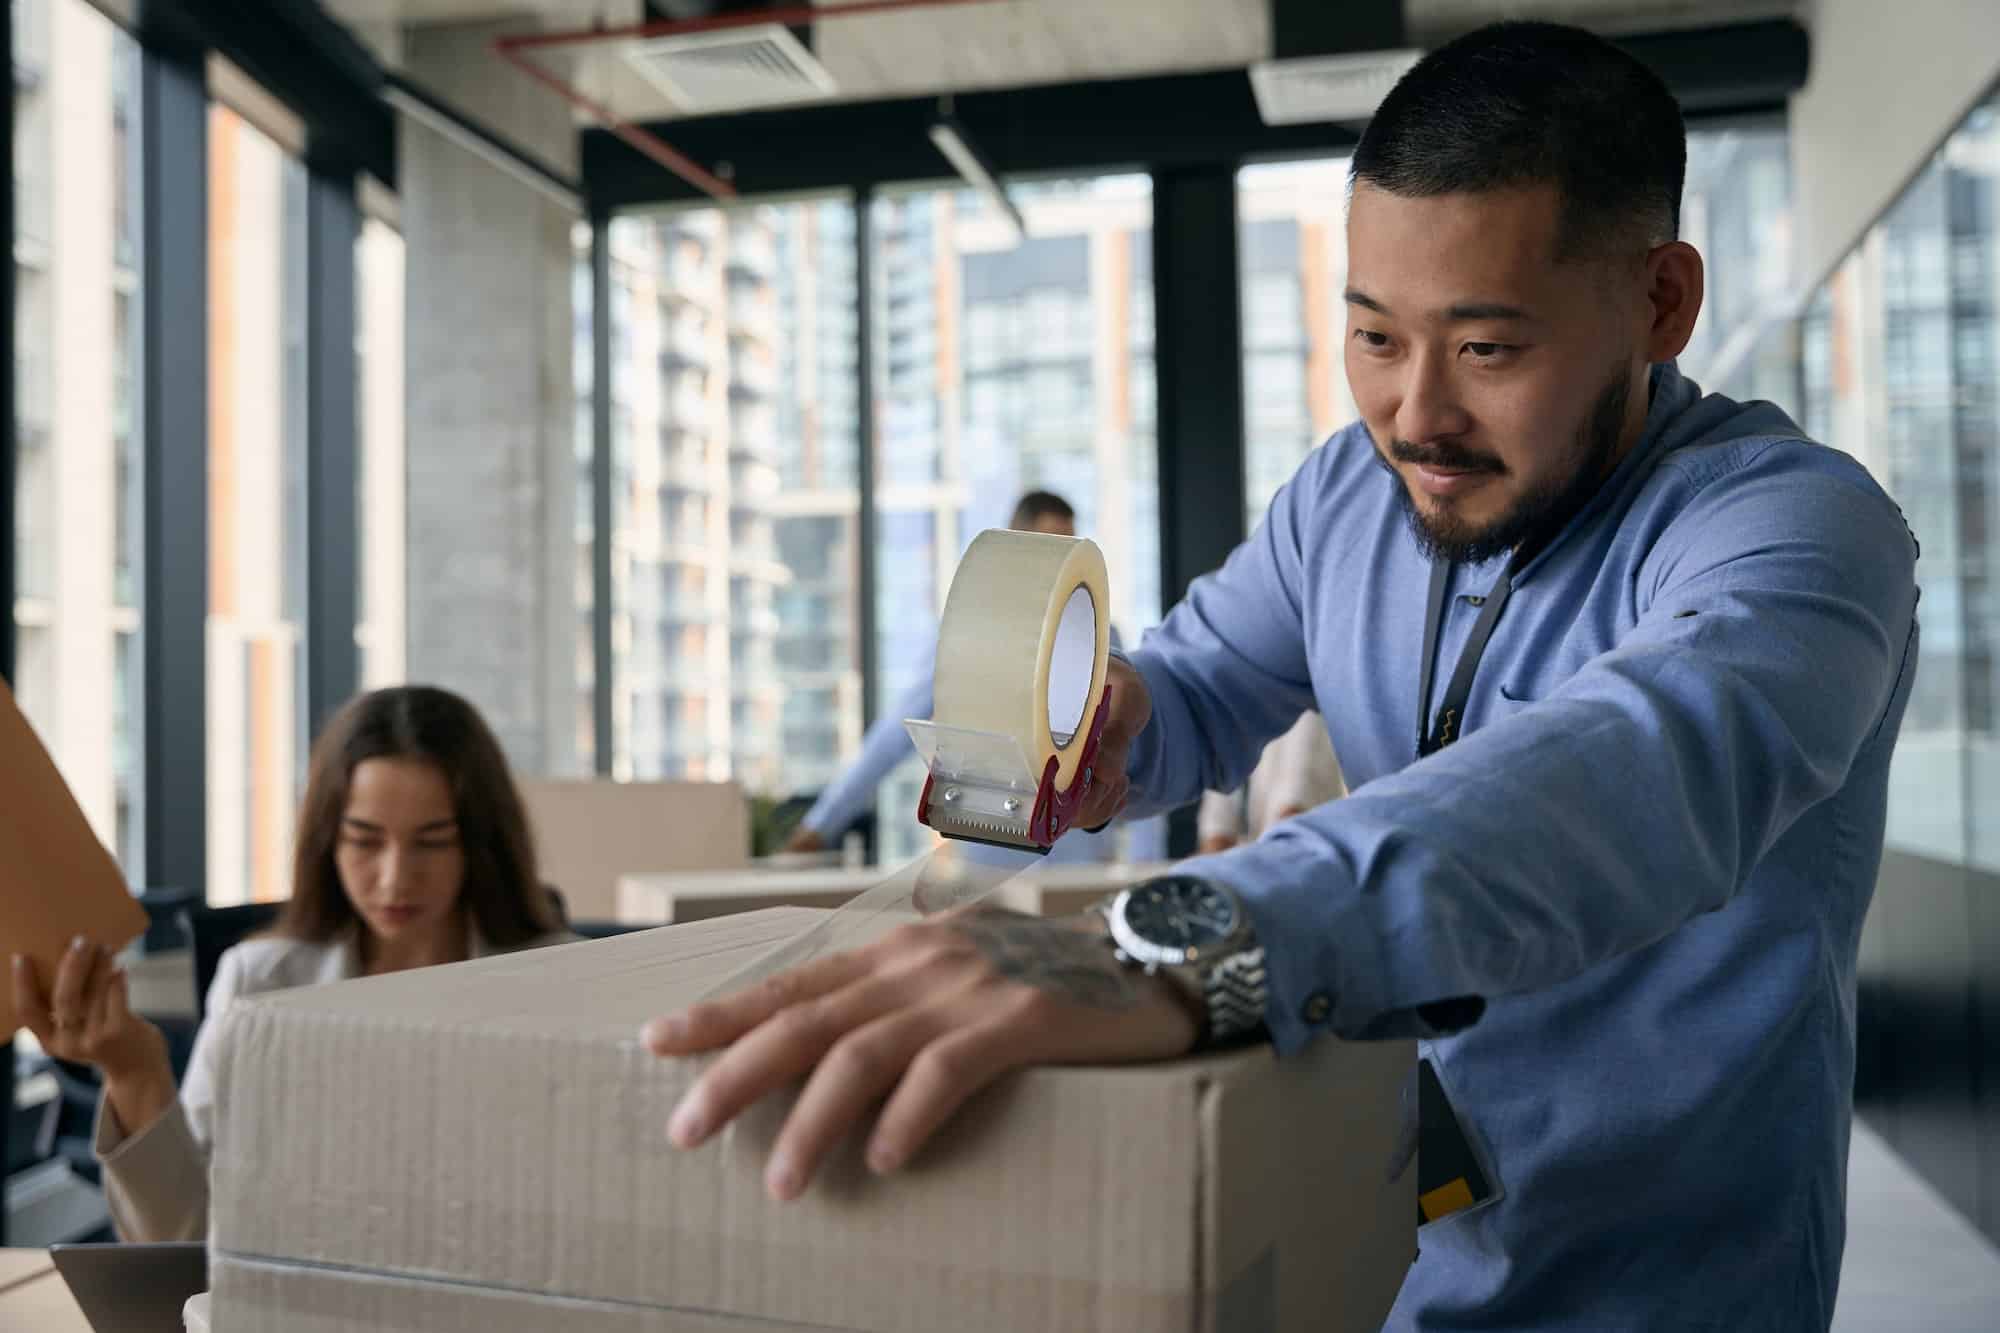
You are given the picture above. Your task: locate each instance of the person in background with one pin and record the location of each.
(413, 849)
(888, 744)
(1296, 772)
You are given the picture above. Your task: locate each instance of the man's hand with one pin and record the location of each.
(1131, 710)
(804, 839)
(924, 1017)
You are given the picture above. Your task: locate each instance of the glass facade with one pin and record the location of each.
(736, 507)
(79, 470)
(1004, 365)
(1898, 363)
(256, 485)
(378, 389)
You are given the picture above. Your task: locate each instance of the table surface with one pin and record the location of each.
(34, 1296)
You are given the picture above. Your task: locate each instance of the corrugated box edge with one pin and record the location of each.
(1270, 1162)
(251, 1296)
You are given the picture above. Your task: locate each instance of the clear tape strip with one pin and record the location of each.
(938, 881)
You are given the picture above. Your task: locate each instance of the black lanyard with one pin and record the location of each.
(1430, 740)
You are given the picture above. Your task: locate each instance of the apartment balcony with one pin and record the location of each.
(688, 278)
(752, 254)
(687, 404)
(679, 606)
(686, 344)
(763, 621)
(704, 224)
(753, 376)
(681, 470)
(753, 318)
(758, 562)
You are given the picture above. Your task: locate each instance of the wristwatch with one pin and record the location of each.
(1196, 934)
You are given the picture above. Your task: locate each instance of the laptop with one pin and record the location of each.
(133, 1288)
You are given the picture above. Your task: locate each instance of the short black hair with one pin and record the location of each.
(1038, 505)
(1524, 104)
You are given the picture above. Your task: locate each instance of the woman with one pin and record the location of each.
(413, 849)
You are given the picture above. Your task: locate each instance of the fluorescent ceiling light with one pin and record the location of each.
(965, 159)
(1313, 89)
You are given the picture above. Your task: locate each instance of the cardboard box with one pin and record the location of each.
(589, 833)
(56, 879)
(482, 1146)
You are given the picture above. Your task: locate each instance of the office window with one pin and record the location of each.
(379, 632)
(79, 470)
(1292, 257)
(1004, 366)
(736, 506)
(256, 453)
(1897, 364)
(1736, 208)
(583, 716)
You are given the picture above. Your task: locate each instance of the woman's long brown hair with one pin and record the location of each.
(502, 895)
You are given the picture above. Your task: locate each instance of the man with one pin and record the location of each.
(1618, 896)
(888, 744)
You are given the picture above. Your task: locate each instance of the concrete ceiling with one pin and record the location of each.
(1006, 44)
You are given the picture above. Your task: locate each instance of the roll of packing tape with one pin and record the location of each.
(1024, 642)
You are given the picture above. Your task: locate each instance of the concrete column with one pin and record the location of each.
(491, 477)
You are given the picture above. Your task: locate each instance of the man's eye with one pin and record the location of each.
(1372, 338)
(1488, 351)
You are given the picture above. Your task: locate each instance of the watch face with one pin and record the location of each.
(1179, 914)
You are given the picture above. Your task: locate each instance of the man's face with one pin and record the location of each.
(1499, 383)
(1053, 524)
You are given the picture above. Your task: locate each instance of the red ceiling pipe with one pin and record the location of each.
(514, 51)
(798, 16)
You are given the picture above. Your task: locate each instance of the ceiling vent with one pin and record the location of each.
(734, 69)
(1312, 89)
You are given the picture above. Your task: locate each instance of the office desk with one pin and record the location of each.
(34, 1296)
(162, 984)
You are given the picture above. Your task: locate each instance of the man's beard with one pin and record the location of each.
(1536, 516)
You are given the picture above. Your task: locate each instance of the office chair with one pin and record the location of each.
(212, 931)
(590, 930)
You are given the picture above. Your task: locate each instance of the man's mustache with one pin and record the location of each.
(1451, 456)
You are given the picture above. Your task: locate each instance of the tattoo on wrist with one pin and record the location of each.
(1072, 964)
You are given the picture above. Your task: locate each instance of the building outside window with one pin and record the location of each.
(1006, 365)
(256, 472)
(79, 475)
(736, 495)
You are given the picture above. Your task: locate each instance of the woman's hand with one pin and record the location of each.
(85, 1016)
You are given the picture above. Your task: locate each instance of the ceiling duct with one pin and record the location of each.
(1331, 62)
(736, 65)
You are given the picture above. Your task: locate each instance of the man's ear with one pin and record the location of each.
(1675, 283)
